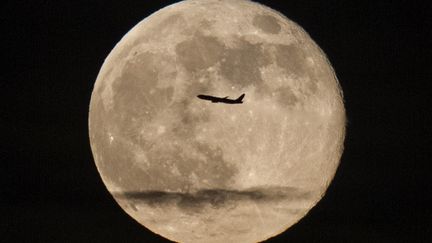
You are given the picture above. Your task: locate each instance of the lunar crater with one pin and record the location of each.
(267, 23)
(200, 52)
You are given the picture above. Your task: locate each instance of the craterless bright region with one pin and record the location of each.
(195, 171)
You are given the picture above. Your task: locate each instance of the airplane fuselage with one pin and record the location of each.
(221, 100)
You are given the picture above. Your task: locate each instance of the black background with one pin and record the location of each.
(52, 52)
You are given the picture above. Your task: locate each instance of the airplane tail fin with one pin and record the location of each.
(240, 99)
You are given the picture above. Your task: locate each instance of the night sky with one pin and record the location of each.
(52, 52)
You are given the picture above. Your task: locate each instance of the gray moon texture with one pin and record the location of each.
(195, 171)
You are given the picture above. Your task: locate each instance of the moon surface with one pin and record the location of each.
(195, 171)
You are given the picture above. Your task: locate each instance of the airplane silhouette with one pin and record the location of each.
(213, 99)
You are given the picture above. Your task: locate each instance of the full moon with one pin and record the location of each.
(192, 170)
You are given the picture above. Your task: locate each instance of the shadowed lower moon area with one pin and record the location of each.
(194, 202)
(217, 121)
(213, 215)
